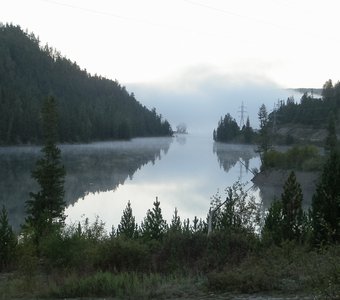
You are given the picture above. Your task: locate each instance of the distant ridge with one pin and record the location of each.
(90, 107)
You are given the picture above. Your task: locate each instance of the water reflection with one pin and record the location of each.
(270, 186)
(91, 169)
(183, 172)
(228, 155)
(186, 178)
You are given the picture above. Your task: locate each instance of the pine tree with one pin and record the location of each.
(154, 226)
(247, 132)
(292, 213)
(7, 240)
(264, 138)
(127, 227)
(176, 224)
(325, 210)
(272, 229)
(285, 219)
(331, 139)
(45, 209)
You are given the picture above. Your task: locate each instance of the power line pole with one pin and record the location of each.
(242, 112)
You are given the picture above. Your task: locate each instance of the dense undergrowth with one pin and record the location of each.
(84, 260)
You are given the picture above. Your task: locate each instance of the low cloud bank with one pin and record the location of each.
(200, 96)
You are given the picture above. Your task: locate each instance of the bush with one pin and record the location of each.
(304, 158)
(121, 254)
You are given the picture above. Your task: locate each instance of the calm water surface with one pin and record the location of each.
(183, 172)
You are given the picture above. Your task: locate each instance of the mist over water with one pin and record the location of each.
(183, 172)
(186, 177)
(201, 95)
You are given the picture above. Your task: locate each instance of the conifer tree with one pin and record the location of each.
(176, 224)
(154, 226)
(331, 139)
(272, 229)
(247, 132)
(127, 226)
(7, 240)
(292, 213)
(264, 138)
(325, 210)
(45, 209)
(285, 219)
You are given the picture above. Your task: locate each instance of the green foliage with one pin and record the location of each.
(126, 286)
(325, 210)
(228, 131)
(272, 229)
(128, 226)
(154, 226)
(90, 107)
(310, 111)
(238, 212)
(286, 220)
(45, 208)
(331, 139)
(290, 269)
(83, 261)
(304, 158)
(122, 254)
(248, 132)
(176, 224)
(7, 241)
(264, 140)
(292, 214)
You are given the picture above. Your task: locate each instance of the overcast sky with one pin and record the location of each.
(166, 44)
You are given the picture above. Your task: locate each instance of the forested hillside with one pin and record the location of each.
(310, 111)
(90, 107)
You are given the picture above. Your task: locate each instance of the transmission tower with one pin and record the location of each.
(242, 111)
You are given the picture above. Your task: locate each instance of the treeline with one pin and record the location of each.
(310, 111)
(289, 255)
(90, 107)
(228, 131)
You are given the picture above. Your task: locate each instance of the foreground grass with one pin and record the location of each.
(289, 270)
(102, 284)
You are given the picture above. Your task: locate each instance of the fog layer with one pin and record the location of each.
(200, 96)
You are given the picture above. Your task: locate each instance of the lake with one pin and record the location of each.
(184, 172)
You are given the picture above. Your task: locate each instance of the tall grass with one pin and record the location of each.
(122, 285)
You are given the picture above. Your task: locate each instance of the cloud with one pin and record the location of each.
(199, 96)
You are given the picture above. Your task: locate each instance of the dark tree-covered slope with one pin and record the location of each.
(310, 111)
(90, 107)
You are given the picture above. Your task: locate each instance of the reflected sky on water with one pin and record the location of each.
(184, 172)
(186, 177)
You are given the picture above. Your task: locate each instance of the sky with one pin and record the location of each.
(202, 52)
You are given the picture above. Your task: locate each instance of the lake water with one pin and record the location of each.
(184, 172)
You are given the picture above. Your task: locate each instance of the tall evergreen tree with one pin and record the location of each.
(331, 139)
(272, 229)
(176, 224)
(45, 208)
(285, 219)
(292, 213)
(154, 226)
(325, 209)
(247, 132)
(264, 138)
(127, 227)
